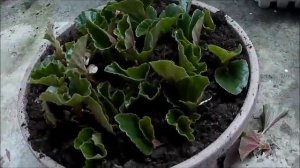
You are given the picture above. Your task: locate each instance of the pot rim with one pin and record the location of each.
(204, 158)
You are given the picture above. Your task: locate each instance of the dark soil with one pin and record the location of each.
(216, 115)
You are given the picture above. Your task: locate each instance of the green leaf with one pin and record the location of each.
(134, 8)
(184, 127)
(186, 5)
(90, 143)
(192, 26)
(91, 15)
(77, 59)
(151, 12)
(168, 70)
(49, 35)
(147, 129)
(189, 54)
(223, 54)
(48, 115)
(137, 73)
(209, 24)
(144, 27)
(181, 122)
(184, 24)
(163, 26)
(129, 123)
(172, 10)
(99, 114)
(84, 135)
(192, 88)
(102, 40)
(148, 90)
(71, 95)
(50, 72)
(77, 92)
(69, 50)
(126, 42)
(183, 59)
(125, 33)
(173, 115)
(196, 26)
(233, 77)
(113, 99)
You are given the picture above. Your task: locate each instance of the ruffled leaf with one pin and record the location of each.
(144, 27)
(172, 10)
(98, 111)
(76, 93)
(191, 89)
(196, 26)
(181, 122)
(234, 77)
(84, 135)
(92, 15)
(184, 127)
(189, 54)
(148, 90)
(77, 59)
(102, 40)
(129, 123)
(126, 43)
(113, 98)
(147, 129)
(50, 72)
(151, 12)
(137, 73)
(223, 54)
(49, 35)
(163, 26)
(90, 143)
(192, 26)
(173, 115)
(168, 70)
(209, 24)
(134, 8)
(48, 115)
(71, 95)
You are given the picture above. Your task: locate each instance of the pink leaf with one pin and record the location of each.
(248, 144)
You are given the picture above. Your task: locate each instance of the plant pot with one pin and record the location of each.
(207, 157)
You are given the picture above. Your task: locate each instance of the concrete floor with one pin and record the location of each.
(274, 33)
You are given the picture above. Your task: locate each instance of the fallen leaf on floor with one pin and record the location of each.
(272, 114)
(7, 154)
(253, 140)
(249, 142)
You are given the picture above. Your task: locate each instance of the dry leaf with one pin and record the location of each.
(249, 142)
(271, 115)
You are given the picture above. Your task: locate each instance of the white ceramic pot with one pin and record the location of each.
(207, 157)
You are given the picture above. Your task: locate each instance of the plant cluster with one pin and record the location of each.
(126, 35)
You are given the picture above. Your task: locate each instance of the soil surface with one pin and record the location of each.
(216, 116)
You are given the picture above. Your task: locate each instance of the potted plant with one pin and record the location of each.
(140, 83)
